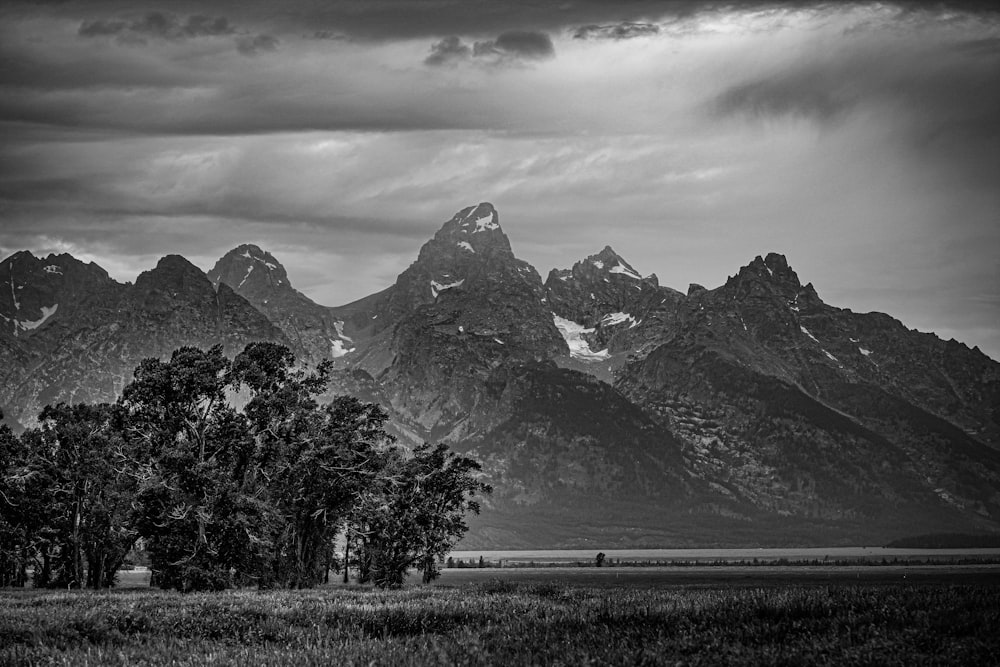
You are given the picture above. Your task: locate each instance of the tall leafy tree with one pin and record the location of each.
(233, 473)
(316, 458)
(72, 471)
(204, 528)
(416, 514)
(16, 529)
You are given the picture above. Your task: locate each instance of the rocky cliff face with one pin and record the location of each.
(783, 401)
(606, 311)
(607, 409)
(311, 329)
(98, 330)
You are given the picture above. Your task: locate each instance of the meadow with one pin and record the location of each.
(512, 622)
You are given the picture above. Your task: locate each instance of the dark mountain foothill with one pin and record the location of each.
(606, 409)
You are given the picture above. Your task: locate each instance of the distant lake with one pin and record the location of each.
(709, 555)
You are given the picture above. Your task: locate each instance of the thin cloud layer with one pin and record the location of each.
(623, 30)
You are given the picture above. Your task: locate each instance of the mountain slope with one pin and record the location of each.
(607, 409)
(781, 397)
(87, 349)
(312, 330)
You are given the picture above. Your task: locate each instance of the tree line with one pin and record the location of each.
(231, 473)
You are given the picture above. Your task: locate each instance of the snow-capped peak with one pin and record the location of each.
(252, 252)
(479, 218)
(610, 261)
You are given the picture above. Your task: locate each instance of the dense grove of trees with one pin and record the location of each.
(231, 473)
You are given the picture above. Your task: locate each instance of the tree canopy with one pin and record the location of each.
(230, 472)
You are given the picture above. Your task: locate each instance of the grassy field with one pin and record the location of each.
(503, 621)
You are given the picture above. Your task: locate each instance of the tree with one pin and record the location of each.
(317, 459)
(16, 529)
(204, 527)
(254, 495)
(71, 473)
(416, 514)
(221, 495)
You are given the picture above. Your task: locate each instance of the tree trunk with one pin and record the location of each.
(76, 578)
(347, 551)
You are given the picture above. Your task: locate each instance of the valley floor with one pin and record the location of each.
(937, 615)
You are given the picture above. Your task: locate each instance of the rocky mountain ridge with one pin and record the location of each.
(604, 406)
(94, 331)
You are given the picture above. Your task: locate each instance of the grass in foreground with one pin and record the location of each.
(499, 622)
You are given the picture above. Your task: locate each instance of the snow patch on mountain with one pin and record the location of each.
(465, 245)
(13, 292)
(806, 332)
(47, 312)
(598, 263)
(246, 253)
(339, 326)
(52, 268)
(481, 224)
(864, 351)
(338, 349)
(437, 288)
(572, 333)
(486, 222)
(624, 270)
(612, 319)
(249, 271)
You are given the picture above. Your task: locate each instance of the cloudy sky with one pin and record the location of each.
(861, 141)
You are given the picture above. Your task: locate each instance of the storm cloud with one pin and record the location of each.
(861, 141)
(158, 25)
(449, 49)
(518, 44)
(508, 47)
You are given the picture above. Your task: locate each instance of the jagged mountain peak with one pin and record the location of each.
(474, 229)
(175, 264)
(770, 276)
(602, 266)
(470, 248)
(25, 254)
(773, 267)
(172, 272)
(50, 260)
(255, 253)
(474, 219)
(251, 271)
(33, 288)
(256, 275)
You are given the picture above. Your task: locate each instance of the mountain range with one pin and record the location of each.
(607, 410)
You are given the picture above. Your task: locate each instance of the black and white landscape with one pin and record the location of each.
(606, 408)
(677, 275)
